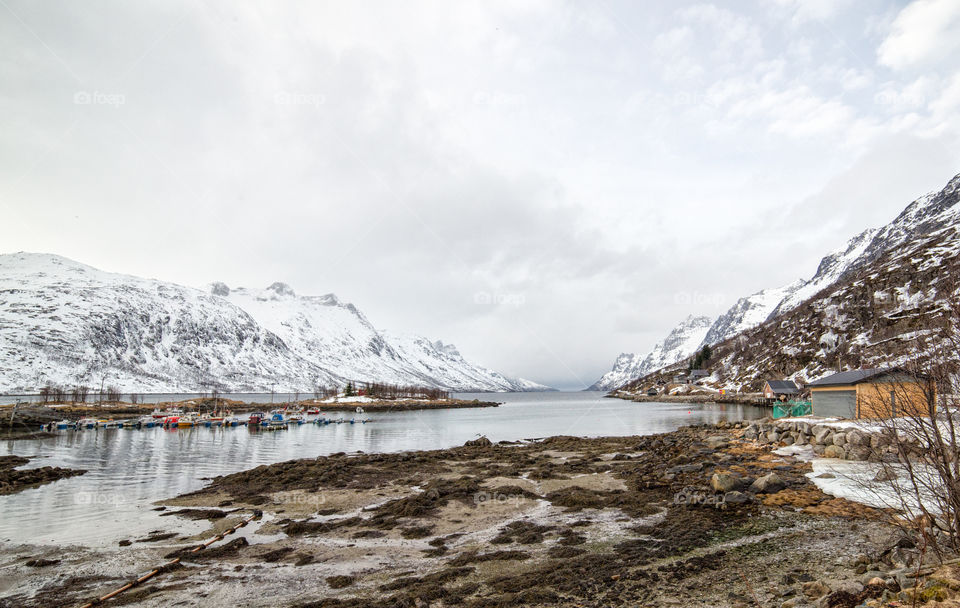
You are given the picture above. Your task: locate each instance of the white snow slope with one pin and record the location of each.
(682, 341)
(66, 323)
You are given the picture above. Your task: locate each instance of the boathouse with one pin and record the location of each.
(873, 393)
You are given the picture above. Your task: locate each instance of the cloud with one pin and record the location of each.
(923, 33)
(583, 164)
(803, 11)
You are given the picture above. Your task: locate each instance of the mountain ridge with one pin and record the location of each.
(925, 215)
(68, 323)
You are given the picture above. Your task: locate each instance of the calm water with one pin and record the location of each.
(130, 469)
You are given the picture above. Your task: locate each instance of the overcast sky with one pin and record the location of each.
(544, 184)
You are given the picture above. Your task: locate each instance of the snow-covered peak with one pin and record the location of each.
(682, 341)
(67, 323)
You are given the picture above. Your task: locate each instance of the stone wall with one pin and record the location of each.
(848, 443)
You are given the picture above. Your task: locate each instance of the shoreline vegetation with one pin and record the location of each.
(702, 516)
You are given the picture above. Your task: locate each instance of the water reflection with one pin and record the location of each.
(129, 469)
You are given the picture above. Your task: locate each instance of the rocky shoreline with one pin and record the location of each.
(14, 479)
(703, 516)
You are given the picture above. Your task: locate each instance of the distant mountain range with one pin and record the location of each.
(66, 323)
(891, 257)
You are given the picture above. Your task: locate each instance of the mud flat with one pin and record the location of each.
(13, 479)
(697, 517)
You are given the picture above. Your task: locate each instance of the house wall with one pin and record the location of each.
(900, 398)
(835, 401)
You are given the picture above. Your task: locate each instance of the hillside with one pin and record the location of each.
(879, 300)
(66, 323)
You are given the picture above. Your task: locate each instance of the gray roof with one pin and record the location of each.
(852, 377)
(699, 372)
(783, 386)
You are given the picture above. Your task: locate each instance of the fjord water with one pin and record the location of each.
(130, 469)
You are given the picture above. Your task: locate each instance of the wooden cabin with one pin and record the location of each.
(873, 393)
(780, 389)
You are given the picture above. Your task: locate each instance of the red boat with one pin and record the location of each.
(256, 418)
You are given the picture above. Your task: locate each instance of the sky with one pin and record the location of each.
(545, 184)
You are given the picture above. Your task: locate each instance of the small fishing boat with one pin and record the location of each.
(147, 422)
(170, 422)
(107, 423)
(255, 418)
(188, 420)
(313, 411)
(160, 414)
(277, 419)
(66, 424)
(296, 418)
(87, 423)
(129, 423)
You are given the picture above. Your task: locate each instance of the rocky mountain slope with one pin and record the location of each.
(682, 341)
(891, 297)
(929, 214)
(66, 323)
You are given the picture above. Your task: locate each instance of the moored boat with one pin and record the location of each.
(66, 424)
(277, 419)
(188, 420)
(256, 418)
(87, 423)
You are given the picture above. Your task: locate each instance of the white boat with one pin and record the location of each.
(148, 422)
(66, 424)
(296, 418)
(87, 423)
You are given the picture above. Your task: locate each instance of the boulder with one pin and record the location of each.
(833, 451)
(773, 437)
(839, 439)
(857, 437)
(815, 589)
(736, 498)
(820, 433)
(768, 484)
(857, 452)
(724, 482)
(885, 474)
(717, 441)
(482, 442)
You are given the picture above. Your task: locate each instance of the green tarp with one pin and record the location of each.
(792, 409)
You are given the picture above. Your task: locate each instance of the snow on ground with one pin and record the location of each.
(856, 481)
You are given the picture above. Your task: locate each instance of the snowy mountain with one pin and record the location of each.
(682, 341)
(928, 214)
(890, 297)
(66, 323)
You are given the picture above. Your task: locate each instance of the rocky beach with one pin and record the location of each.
(703, 516)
